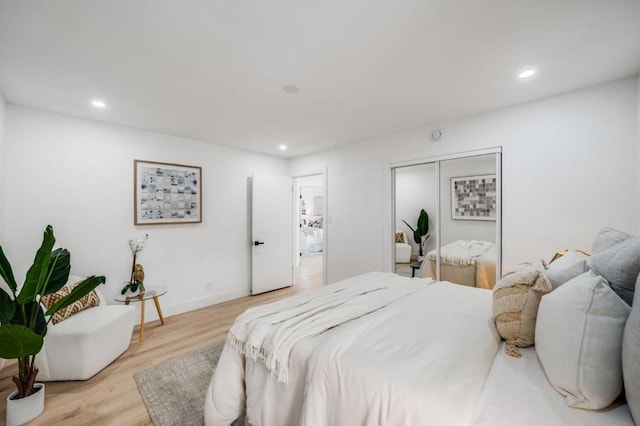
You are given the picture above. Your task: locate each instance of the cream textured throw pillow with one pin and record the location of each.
(515, 305)
(88, 301)
(579, 341)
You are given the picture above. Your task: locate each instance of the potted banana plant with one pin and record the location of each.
(23, 321)
(420, 231)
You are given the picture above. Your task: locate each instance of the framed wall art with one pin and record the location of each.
(473, 197)
(166, 193)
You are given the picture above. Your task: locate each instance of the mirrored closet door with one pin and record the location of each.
(447, 219)
(416, 204)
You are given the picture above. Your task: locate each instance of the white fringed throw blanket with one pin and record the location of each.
(269, 332)
(461, 252)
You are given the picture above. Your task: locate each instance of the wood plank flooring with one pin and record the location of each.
(309, 273)
(111, 397)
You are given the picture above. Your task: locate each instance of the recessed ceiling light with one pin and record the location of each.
(283, 147)
(290, 89)
(97, 103)
(527, 73)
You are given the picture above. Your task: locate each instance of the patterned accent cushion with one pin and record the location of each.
(579, 341)
(88, 301)
(616, 256)
(399, 237)
(516, 298)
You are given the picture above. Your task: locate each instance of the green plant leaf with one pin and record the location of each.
(37, 273)
(17, 341)
(423, 223)
(7, 273)
(7, 307)
(417, 237)
(39, 324)
(410, 227)
(59, 268)
(76, 294)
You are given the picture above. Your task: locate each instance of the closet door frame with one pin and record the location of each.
(390, 202)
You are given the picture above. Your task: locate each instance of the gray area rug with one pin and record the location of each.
(174, 391)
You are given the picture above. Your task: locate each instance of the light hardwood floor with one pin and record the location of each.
(309, 273)
(111, 397)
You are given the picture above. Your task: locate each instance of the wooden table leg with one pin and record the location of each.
(142, 321)
(157, 302)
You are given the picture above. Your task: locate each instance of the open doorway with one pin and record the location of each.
(309, 235)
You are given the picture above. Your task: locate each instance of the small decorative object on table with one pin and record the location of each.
(136, 282)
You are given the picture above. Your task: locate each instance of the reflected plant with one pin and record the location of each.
(420, 231)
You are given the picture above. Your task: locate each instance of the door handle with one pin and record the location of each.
(257, 243)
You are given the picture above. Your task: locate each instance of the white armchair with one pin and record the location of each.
(86, 342)
(403, 249)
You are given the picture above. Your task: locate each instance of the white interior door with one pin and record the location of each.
(272, 233)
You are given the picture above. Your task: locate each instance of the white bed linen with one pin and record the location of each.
(421, 360)
(270, 332)
(518, 392)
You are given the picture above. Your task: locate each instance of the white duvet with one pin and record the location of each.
(423, 359)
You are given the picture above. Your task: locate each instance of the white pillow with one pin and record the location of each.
(630, 358)
(566, 268)
(579, 341)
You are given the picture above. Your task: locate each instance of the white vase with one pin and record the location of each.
(20, 411)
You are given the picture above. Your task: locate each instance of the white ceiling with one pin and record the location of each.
(214, 70)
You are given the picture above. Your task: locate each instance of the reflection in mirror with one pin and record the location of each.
(468, 249)
(415, 191)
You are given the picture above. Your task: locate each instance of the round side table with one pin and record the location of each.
(149, 293)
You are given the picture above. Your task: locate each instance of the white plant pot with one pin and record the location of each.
(20, 411)
(2, 360)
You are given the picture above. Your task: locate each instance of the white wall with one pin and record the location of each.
(569, 167)
(78, 176)
(3, 107)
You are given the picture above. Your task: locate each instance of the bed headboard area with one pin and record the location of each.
(582, 319)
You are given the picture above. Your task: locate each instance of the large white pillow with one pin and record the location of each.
(616, 256)
(631, 356)
(579, 341)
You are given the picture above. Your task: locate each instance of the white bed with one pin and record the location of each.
(517, 391)
(474, 270)
(431, 357)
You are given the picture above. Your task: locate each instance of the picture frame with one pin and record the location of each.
(166, 193)
(474, 197)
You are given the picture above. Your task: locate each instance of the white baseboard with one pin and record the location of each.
(189, 305)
